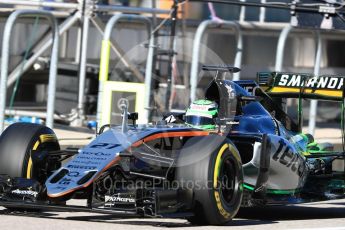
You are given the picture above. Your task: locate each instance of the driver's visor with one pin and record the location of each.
(198, 120)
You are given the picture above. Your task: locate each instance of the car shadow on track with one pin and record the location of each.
(246, 216)
(110, 219)
(281, 213)
(337, 203)
(99, 218)
(26, 213)
(166, 223)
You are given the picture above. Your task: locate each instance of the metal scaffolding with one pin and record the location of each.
(83, 12)
(202, 28)
(104, 63)
(86, 14)
(279, 63)
(58, 5)
(5, 60)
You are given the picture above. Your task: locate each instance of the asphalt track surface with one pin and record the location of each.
(328, 215)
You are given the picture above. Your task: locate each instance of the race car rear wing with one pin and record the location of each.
(295, 85)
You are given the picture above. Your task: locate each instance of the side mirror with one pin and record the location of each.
(133, 117)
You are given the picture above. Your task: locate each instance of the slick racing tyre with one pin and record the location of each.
(211, 167)
(18, 144)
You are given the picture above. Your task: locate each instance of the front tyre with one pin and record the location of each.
(217, 179)
(18, 144)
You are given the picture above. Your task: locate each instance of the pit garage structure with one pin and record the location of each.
(87, 13)
(105, 54)
(200, 32)
(5, 59)
(279, 63)
(83, 12)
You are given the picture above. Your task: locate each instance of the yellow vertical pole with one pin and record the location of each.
(103, 77)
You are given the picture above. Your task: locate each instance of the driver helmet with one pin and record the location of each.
(201, 114)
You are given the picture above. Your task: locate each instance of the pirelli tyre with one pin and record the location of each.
(18, 145)
(210, 167)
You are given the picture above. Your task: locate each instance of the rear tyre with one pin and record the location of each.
(215, 179)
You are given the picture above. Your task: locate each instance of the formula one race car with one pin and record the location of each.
(254, 154)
